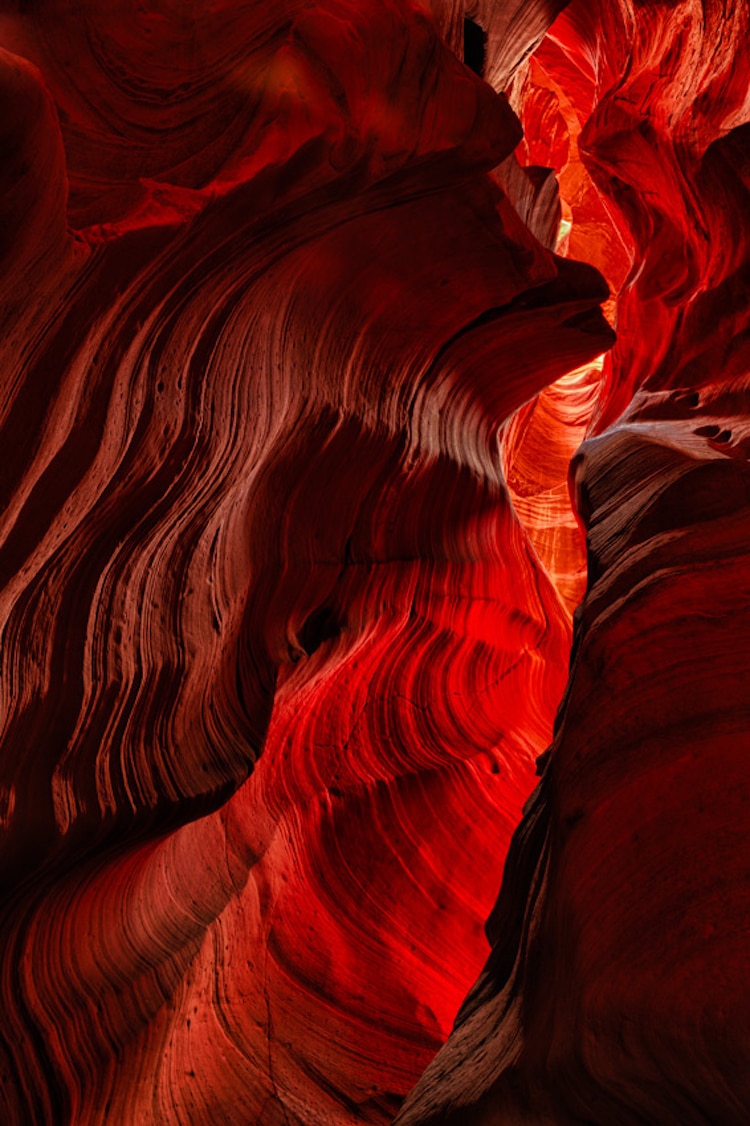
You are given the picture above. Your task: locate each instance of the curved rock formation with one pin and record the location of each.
(617, 989)
(288, 560)
(254, 503)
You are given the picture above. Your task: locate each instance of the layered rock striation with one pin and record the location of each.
(288, 562)
(616, 991)
(267, 310)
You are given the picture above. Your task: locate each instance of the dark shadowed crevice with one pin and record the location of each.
(475, 46)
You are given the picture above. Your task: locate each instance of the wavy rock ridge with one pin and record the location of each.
(616, 991)
(288, 560)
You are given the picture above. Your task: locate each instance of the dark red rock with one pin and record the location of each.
(288, 561)
(255, 512)
(617, 989)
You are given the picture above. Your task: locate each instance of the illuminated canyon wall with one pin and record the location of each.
(310, 591)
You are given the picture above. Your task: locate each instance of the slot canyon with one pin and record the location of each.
(375, 562)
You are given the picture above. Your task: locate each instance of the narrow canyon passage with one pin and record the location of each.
(374, 508)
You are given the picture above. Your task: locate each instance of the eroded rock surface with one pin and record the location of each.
(288, 562)
(617, 990)
(266, 310)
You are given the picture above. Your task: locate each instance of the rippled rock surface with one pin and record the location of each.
(617, 988)
(288, 561)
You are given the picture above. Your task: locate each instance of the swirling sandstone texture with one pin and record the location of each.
(288, 562)
(618, 988)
